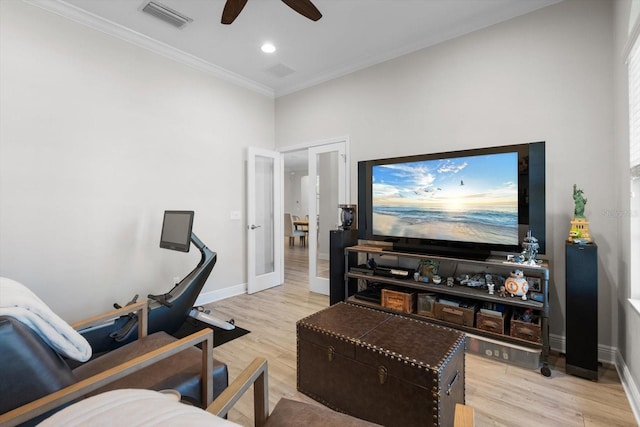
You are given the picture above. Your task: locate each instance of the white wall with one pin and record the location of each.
(98, 138)
(545, 76)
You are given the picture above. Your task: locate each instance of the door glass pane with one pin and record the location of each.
(265, 245)
(326, 207)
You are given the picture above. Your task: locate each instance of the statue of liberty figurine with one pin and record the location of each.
(580, 201)
(579, 232)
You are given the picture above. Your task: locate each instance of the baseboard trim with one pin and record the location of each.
(220, 294)
(630, 387)
(606, 354)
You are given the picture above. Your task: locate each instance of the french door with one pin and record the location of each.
(327, 188)
(265, 268)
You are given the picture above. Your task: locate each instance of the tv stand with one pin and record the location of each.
(504, 335)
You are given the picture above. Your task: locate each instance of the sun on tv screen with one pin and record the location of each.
(466, 199)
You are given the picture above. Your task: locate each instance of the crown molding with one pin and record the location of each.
(105, 26)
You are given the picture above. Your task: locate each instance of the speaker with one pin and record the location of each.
(582, 310)
(338, 241)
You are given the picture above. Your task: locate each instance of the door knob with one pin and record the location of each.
(253, 227)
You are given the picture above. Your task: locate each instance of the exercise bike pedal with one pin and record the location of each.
(209, 319)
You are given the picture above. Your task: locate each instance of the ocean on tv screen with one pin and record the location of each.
(466, 199)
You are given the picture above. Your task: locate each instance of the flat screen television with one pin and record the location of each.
(176, 230)
(459, 203)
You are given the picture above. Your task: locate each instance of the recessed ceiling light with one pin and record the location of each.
(268, 48)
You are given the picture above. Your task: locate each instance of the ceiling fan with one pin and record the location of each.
(232, 9)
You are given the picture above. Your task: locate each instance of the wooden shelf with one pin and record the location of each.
(491, 265)
(541, 269)
(456, 290)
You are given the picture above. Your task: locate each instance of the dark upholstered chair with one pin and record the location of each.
(30, 370)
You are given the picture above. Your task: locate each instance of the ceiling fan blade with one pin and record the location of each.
(305, 8)
(232, 9)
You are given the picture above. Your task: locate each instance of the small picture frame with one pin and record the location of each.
(535, 284)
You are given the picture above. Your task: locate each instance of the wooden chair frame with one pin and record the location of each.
(255, 374)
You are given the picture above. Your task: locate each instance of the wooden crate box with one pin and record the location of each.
(427, 304)
(402, 300)
(530, 331)
(459, 315)
(491, 322)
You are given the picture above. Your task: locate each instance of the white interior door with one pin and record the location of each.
(327, 188)
(265, 267)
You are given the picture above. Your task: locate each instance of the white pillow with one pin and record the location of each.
(133, 408)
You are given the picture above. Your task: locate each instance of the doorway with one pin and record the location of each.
(316, 181)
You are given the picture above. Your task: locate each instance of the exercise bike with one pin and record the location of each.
(168, 311)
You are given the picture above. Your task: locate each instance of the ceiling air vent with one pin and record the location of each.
(166, 14)
(280, 70)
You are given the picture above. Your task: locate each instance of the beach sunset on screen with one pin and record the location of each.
(467, 199)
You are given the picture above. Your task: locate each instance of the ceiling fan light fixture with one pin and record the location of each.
(268, 47)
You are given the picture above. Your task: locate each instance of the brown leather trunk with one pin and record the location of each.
(381, 367)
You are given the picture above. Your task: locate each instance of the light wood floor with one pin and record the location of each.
(502, 395)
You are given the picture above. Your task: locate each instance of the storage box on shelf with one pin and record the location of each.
(427, 304)
(530, 330)
(467, 316)
(399, 299)
(491, 322)
(462, 314)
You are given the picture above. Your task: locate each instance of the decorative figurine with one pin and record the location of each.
(450, 281)
(502, 292)
(527, 315)
(530, 248)
(579, 231)
(488, 280)
(428, 268)
(474, 281)
(436, 279)
(517, 285)
(579, 201)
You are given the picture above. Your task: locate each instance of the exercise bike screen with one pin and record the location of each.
(176, 230)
